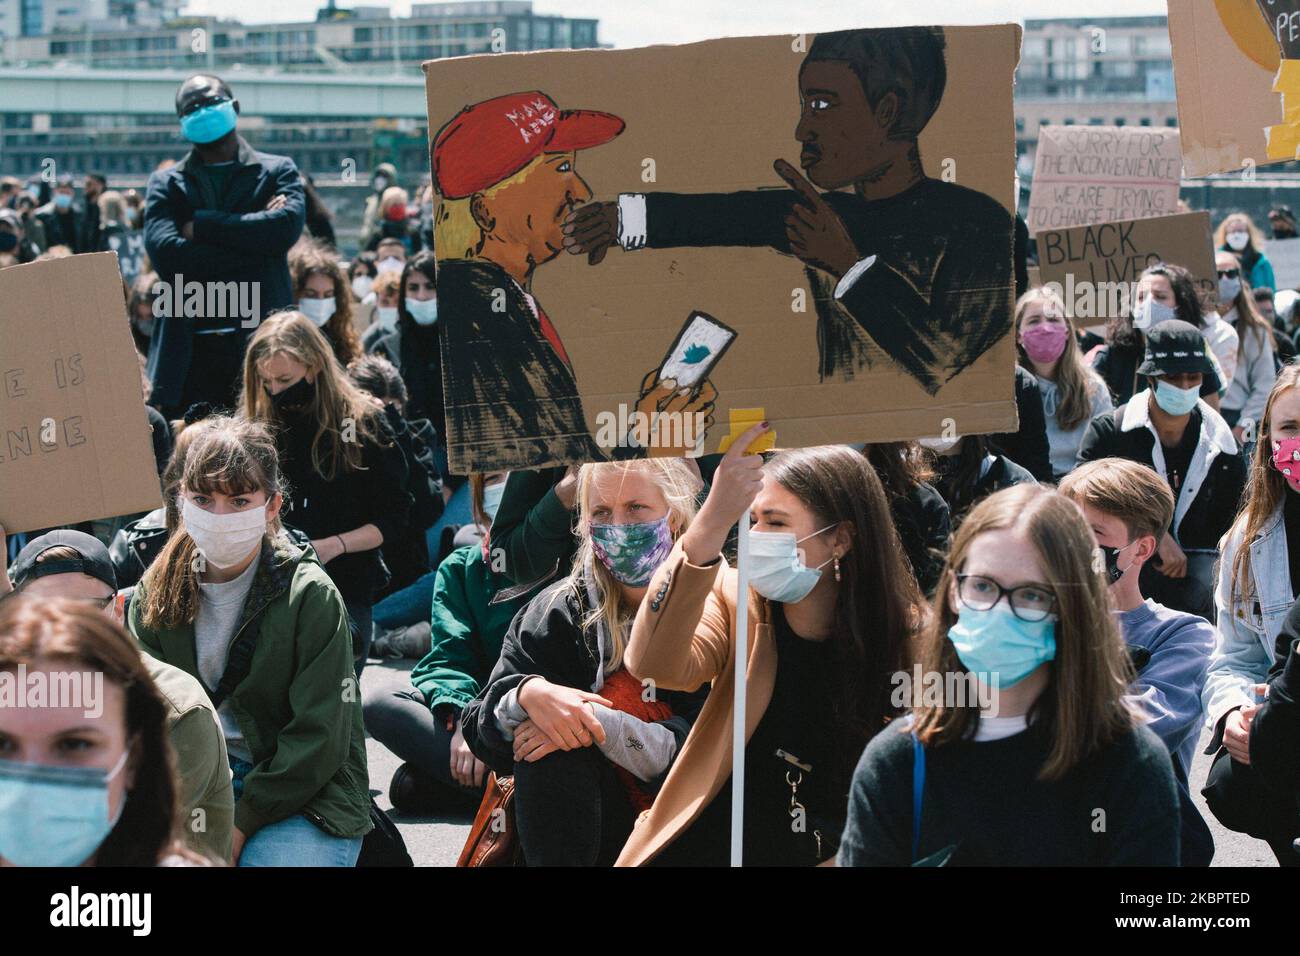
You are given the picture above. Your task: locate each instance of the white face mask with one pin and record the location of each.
(1238, 240)
(318, 310)
(391, 264)
(777, 571)
(938, 445)
(423, 311)
(361, 286)
(387, 316)
(223, 540)
(1151, 311)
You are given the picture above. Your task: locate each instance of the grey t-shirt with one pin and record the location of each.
(220, 607)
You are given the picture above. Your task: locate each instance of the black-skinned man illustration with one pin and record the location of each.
(904, 268)
(505, 171)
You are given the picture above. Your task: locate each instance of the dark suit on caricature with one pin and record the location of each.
(906, 268)
(533, 414)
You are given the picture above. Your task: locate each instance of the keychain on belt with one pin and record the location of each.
(793, 778)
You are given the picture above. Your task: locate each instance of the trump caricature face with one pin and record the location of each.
(529, 211)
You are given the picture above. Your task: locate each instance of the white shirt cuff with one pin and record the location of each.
(631, 220)
(852, 276)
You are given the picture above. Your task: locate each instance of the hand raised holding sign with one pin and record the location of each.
(815, 231)
(736, 484)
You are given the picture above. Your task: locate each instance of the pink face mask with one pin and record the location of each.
(1286, 459)
(1044, 343)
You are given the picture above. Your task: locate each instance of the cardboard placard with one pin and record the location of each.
(1237, 72)
(1096, 268)
(550, 357)
(75, 442)
(1085, 175)
(1284, 254)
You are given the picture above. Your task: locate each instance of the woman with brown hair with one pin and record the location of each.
(77, 790)
(346, 473)
(1026, 754)
(1256, 371)
(321, 290)
(832, 608)
(231, 601)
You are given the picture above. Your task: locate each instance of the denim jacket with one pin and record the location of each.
(1246, 630)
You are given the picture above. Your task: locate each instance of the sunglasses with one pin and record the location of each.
(1229, 273)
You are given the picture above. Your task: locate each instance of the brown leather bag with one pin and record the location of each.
(493, 840)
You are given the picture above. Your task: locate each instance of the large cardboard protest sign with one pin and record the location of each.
(812, 230)
(1237, 72)
(74, 435)
(1085, 175)
(1095, 269)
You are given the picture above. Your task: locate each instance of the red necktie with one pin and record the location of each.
(552, 336)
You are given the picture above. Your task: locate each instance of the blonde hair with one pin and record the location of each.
(1126, 490)
(334, 402)
(679, 485)
(227, 455)
(391, 197)
(456, 233)
(1076, 382)
(1083, 707)
(1256, 236)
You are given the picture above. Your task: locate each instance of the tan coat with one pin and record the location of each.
(681, 640)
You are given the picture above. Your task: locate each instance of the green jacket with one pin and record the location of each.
(299, 708)
(472, 609)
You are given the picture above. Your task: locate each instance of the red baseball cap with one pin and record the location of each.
(486, 142)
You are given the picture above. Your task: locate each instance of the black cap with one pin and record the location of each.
(1175, 347)
(93, 560)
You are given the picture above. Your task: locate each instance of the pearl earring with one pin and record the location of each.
(837, 567)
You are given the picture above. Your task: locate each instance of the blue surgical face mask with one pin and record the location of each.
(776, 568)
(54, 816)
(492, 499)
(387, 317)
(998, 647)
(423, 311)
(207, 124)
(1174, 400)
(320, 311)
(62, 201)
(1151, 311)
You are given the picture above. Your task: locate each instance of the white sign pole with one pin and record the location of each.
(738, 703)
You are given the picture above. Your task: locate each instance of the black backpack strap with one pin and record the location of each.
(238, 662)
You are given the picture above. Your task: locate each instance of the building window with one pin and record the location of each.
(1171, 121)
(1119, 121)
(1146, 121)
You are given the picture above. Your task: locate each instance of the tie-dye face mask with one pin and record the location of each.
(631, 552)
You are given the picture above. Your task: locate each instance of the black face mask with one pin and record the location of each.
(1113, 570)
(294, 398)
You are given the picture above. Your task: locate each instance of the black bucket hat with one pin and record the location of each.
(1175, 347)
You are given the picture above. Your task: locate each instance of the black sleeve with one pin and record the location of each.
(1028, 447)
(532, 529)
(386, 476)
(1275, 731)
(1099, 439)
(544, 640)
(162, 438)
(753, 218)
(1022, 257)
(878, 827)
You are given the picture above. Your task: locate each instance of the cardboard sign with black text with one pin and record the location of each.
(1095, 269)
(1090, 174)
(75, 441)
(641, 250)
